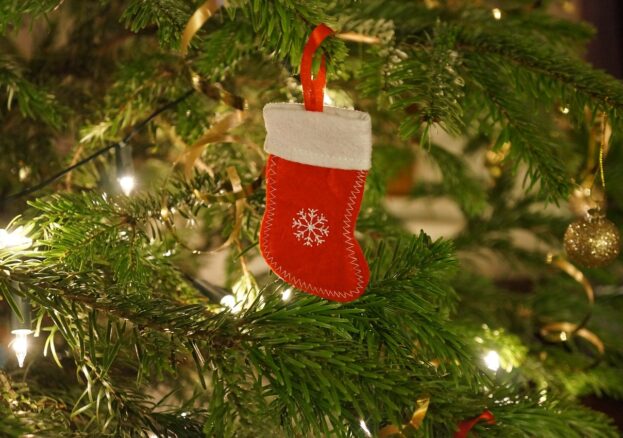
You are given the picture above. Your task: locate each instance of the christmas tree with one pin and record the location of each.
(135, 300)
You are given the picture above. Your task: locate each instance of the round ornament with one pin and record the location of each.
(593, 240)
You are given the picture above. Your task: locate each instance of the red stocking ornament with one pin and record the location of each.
(317, 166)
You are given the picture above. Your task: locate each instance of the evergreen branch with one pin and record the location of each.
(518, 414)
(12, 13)
(428, 86)
(495, 231)
(32, 100)
(458, 181)
(602, 381)
(170, 17)
(552, 419)
(224, 48)
(270, 332)
(529, 137)
(21, 413)
(100, 273)
(565, 34)
(601, 89)
(137, 128)
(283, 26)
(158, 314)
(529, 24)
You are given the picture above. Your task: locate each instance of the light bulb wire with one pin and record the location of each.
(135, 130)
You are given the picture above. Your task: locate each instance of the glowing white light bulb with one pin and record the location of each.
(14, 239)
(327, 100)
(286, 294)
(229, 301)
(497, 14)
(365, 428)
(127, 184)
(492, 360)
(20, 345)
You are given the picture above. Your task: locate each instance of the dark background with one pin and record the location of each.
(605, 52)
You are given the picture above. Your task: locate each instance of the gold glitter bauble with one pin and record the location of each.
(593, 240)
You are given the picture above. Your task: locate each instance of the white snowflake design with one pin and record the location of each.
(310, 227)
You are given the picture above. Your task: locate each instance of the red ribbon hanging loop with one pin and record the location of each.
(313, 89)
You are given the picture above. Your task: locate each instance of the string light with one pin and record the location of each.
(125, 168)
(364, 427)
(20, 344)
(23, 173)
(327, 100)
(20, 327)
(17, 239)
(497, 13)
(135, 130)
(14, 239)
(492, 360)
(286, 294)
(229, 301)
(127, 184)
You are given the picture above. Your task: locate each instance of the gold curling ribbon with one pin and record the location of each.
(213, 91)
(209, 8)
(217, 92)
(197, 20)
(559, 330)
(358, 38)
(240, 204)
(236, 185)
(194, 152)
(415, 423)
(564, 331)
(218, 133)
(599, 134)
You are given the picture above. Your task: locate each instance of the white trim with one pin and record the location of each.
(336, 137)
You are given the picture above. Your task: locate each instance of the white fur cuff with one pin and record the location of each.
(337, 138)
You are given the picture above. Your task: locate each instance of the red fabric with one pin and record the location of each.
(330, 262)
(466, 426)
(313, 89)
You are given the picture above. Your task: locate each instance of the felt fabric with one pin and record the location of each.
(336, 137)
(307, 232)
(313, 88)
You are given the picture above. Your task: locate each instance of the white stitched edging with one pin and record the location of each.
(336, 137)
(349, 239)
